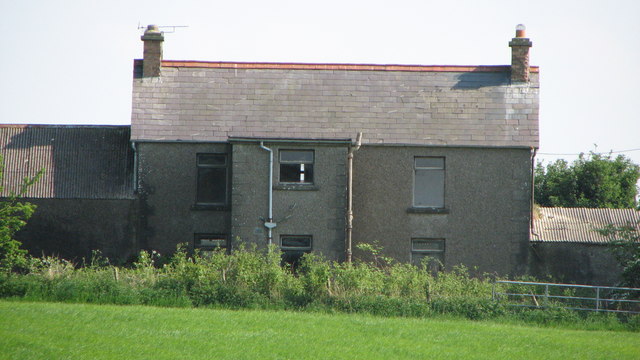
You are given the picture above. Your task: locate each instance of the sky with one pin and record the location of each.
(70, 62)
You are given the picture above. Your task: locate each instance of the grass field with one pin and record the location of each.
(76, 331)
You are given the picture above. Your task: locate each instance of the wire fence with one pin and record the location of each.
(568, 296)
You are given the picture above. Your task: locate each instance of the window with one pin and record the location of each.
(294, 247)
(432, 249)
(212, 179)
(296, 166)
(207, 243)
(428, 186)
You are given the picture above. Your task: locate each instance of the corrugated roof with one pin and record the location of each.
(554, 224)
(80, 162)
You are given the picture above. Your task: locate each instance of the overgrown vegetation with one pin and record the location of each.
(625, 246)
(255, 279)
(592, 181)
(13, 217)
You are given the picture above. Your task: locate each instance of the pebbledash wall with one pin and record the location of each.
(166, 187)
(475, 128)
(484, 221)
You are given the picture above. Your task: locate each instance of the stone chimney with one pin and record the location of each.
(152, 59)
(520, 55)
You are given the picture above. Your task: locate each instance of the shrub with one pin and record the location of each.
(254, 278)
(470, 308)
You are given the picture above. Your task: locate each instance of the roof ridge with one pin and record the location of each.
(338, 66)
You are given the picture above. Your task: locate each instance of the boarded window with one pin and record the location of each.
(296, 166)
(428, 188)
(429, 252)
(212, 179)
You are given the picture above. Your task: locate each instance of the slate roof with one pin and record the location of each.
(390, 104)
(80, 162)
(578, 225)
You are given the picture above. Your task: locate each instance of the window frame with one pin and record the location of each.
(292, 254)
(199, 166)
(442, 169)
(297, 248)
(289, 162)
(197, 237)
(439, 253)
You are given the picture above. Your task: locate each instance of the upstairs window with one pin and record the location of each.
(428, 185)
(296, 166)
(212, 179)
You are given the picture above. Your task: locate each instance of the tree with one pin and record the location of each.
(625, 245)
(13, 217)
(592, 181)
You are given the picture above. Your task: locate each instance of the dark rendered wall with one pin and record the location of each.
(487, 202)
(167, 185)
(590, 264)
(72, 228)
(317, 210)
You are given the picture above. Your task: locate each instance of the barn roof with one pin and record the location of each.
(579, 225)
(79, 162)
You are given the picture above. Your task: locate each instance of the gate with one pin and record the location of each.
(568, 296)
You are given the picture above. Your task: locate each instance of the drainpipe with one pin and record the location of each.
(533, 177)
(135, 167)
(269, 224)
(348, 240)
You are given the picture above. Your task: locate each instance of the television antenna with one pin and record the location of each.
(172, 27)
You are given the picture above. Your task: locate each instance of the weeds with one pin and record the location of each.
(254, 278)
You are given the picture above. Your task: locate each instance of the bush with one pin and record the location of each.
(13, 217)
(254, 278)
(470, 308)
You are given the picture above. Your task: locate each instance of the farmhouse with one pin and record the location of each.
(426, 161)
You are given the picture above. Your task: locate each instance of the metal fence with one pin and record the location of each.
(568, 296)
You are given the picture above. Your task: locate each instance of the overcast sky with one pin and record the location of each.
(70, 62)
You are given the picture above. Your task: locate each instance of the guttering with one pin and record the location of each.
(269, 224)
(293, 140)
(348, 240)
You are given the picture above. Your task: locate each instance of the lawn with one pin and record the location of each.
(77, 331)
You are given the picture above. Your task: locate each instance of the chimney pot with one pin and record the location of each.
(152, 59)
(521, 31)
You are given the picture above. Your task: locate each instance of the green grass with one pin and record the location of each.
(80, 331)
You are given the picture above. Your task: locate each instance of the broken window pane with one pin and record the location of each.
(296, 166)
(297, 242)
(293, 248)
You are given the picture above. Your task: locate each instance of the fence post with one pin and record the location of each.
(546, 295)
(493, 291)
(597, 299)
